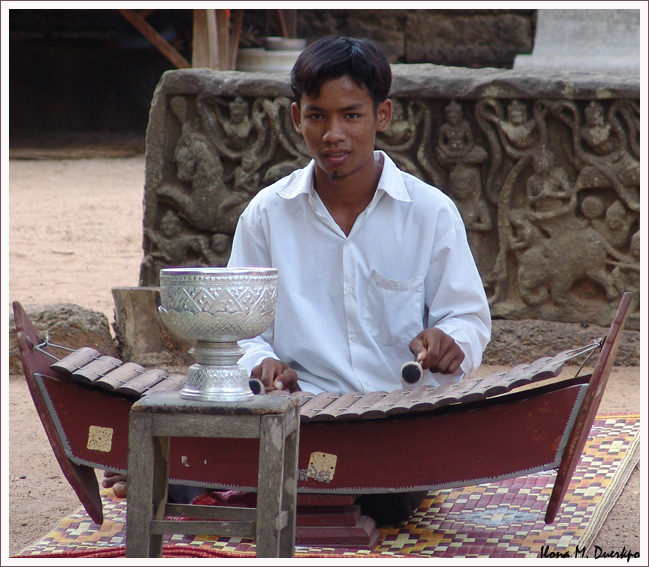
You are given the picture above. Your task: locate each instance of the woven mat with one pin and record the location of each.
(500, 519)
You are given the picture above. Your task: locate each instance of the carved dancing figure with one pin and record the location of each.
(457, 148)
(617, 225)
(512, 137)
(550, 193)
(603, 154)
(519, 130)
(455, 140)
(614, 222)
(218, 252)
(210, 204)
(597, 133)
(525, 235)
(170, 247)
(238, 127)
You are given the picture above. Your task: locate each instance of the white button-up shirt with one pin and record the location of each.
(348, 306)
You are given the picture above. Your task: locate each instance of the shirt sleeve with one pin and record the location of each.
(456, 300)
(249, 250)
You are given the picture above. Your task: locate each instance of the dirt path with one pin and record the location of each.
(75, 230)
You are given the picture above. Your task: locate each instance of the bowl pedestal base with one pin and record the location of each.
(217, 376)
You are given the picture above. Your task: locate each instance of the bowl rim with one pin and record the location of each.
(218, 271)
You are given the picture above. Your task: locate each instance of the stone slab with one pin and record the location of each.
(605, 41)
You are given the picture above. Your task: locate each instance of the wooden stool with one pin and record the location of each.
(154, 419)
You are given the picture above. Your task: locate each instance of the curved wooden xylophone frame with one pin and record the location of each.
(499, 426)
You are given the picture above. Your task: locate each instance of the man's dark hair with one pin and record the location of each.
(332, 57)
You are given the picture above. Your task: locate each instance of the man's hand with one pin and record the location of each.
(437, 351)
(275, 374)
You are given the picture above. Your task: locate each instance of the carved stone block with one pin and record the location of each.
(543, 166)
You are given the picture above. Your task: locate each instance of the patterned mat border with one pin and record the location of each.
(503, 519)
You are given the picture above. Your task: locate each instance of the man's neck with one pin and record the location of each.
(347, 197)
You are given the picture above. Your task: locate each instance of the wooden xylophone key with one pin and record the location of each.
(302, 397)
(171, 383)
(362, 405)
(409, 399)
(425, 399)
(96, 369)
(434, 398)
(75, 360)
(554, 365)
(313, 406)
(470, 390)
(340, 404)
(392, 402)
(523, 373)
(492, 384)
(138, 386)
(119, 376)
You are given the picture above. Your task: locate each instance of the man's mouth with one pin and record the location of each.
(335, 157)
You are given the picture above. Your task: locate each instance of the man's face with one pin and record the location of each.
(339, 126)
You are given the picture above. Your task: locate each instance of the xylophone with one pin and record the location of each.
(507, 424)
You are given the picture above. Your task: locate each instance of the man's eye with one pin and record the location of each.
(353, 115)
(315, 116)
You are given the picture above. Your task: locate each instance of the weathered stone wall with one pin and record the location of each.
(544, 168)
(463, 38)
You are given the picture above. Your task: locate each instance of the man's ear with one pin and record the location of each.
(295, 113)
(383, 115)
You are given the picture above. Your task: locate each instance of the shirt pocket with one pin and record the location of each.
(394, 309)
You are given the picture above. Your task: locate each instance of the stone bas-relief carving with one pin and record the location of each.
(547, 185)
(214, 170)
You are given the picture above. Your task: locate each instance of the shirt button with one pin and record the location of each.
(349, 290)
(353, 339)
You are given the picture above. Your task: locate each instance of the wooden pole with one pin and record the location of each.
(204, 48)
(235, 37)
(155, 38)
(222, 36)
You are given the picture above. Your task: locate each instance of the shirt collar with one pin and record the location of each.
(302, 182)
(391, 181)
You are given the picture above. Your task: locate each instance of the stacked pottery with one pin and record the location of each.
(277, 55)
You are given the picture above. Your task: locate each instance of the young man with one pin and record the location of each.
(374, 265)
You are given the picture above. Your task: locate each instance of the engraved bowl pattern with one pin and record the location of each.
(218, 304)
(224, 327)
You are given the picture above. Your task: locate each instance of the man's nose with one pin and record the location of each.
(335, 131)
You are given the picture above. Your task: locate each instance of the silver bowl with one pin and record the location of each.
(217, 307)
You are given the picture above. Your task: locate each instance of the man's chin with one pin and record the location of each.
(332, 172)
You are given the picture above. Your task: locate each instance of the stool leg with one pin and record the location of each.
(159, 489)
(289, 494)
(140, 485)
(269, 485)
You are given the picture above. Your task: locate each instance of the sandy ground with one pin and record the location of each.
(75, 233)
